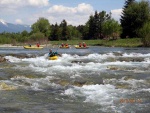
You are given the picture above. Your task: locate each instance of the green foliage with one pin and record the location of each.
(64, 33)
(37, 36)
(73, 32)
(5, 40)
(144, 33)
(134, 42)
(56, 32)
(42, 25)
(24, 33)
(111, 28)
(94, 25)
(135, 14)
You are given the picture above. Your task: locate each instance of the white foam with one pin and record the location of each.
(12, 59)
(105, 95)
(136, 55)
(33, 83)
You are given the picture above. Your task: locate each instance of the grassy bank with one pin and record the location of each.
(134, 42)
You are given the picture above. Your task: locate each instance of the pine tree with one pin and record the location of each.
(135, 15)
(126, 20)
(55, 33)
(91, 26)
(64, 30)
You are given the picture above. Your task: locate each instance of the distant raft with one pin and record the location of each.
(77, 47)
(32, 47)
(53, 58)
(64, 47)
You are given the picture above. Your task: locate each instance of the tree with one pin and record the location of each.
(73, 32)
(37, 36)
(63, 25)
(135, 15)
(111, 28)
(126, 19)
(55, 35)
(144, 33)
(95, 24)
(103, 17)
(42, 25)
(91, 30)
(24, 33)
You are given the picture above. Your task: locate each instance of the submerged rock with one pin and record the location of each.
(113, 67)
(117, 54)
(77, 82)
(76, 61)
(131, 59)
(4, 86)
(2, 59)
(123, 86)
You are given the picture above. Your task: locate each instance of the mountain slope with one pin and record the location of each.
(13, 28)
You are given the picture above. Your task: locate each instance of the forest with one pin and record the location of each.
(134, 23)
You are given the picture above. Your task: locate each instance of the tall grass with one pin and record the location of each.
(134, 42)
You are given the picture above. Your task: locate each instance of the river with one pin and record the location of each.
(94, 80)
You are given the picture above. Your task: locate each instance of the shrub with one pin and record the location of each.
(144, 34)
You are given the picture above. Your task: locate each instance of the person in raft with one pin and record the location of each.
(38, 45)
(66, 45)
(62, 45)
(29, 45)
(51, 53)
(84, 44)
(80, 45)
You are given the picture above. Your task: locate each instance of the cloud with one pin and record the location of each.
(19, 21)
(80, 9)
(18, 3)
(73, 15)
(38, 2)
(116, 14)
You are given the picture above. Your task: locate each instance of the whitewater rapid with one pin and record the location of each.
(118, 73)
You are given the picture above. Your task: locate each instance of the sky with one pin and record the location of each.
(75, 12)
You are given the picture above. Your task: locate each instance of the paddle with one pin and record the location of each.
(57, 52)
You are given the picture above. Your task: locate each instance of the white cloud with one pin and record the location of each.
(116, 14)
(18, 3)
(19, 21)
(38, 2)
(73, 15)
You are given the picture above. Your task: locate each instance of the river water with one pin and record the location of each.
(94, 80)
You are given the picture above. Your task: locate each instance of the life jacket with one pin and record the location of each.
(66, 45)
(84, 45)
(38, 45)
(80, 45)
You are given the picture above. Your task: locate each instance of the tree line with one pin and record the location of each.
(134, 23)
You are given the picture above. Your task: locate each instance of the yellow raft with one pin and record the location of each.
(32, 47)
(53, 58)
(77, 47)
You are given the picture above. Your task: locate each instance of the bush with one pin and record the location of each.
(144, 34)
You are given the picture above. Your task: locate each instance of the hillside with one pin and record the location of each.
(13, 28)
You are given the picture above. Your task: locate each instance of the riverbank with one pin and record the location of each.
(21, 45)
(134, 42)
(8, 45)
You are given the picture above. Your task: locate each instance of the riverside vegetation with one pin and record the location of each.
(100, 29)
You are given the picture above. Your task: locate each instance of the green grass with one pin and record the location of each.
(133, 42)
